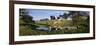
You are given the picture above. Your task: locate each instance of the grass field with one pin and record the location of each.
(30, 30)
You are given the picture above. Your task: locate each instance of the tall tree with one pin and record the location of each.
(72, 14)
(24, 17)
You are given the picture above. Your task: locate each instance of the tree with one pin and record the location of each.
(61, 16)
(65, 15)
(23, 12)
(81, 21)
(72, 14)
(52, 17)
(24, 16)
(27, 18)
(75, 17)
(58, 17)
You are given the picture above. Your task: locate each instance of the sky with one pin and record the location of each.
(38, 14)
